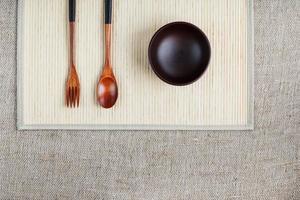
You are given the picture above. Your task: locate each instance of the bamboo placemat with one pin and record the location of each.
(221, 99)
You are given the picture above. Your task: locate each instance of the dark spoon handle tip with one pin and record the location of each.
(108, 11)
(72, 10)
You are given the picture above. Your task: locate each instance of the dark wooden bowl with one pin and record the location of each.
(179, 53)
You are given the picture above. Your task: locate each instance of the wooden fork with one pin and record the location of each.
(73, 84)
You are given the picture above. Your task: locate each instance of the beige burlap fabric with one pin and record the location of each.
(260, 164)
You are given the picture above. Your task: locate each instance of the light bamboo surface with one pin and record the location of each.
(219, 99)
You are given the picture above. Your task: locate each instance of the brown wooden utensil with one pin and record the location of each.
(179, 53)
(107, 88)
(73, 84)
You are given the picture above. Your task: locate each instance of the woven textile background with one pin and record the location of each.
(259, 164)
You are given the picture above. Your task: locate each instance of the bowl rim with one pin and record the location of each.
(155, 36)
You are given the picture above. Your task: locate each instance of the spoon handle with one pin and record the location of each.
(108, 11)
(72, 10)
(108, 27)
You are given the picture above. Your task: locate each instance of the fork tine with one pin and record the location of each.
(78, 96)
(75, 97)
(72, 96)
(74, 93)
(67, 97)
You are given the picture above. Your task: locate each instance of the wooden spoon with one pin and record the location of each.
(107, 88)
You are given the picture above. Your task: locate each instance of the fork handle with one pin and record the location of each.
(72, 10)
(72, 18)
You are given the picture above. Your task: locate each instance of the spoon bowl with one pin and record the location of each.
(107, 91)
